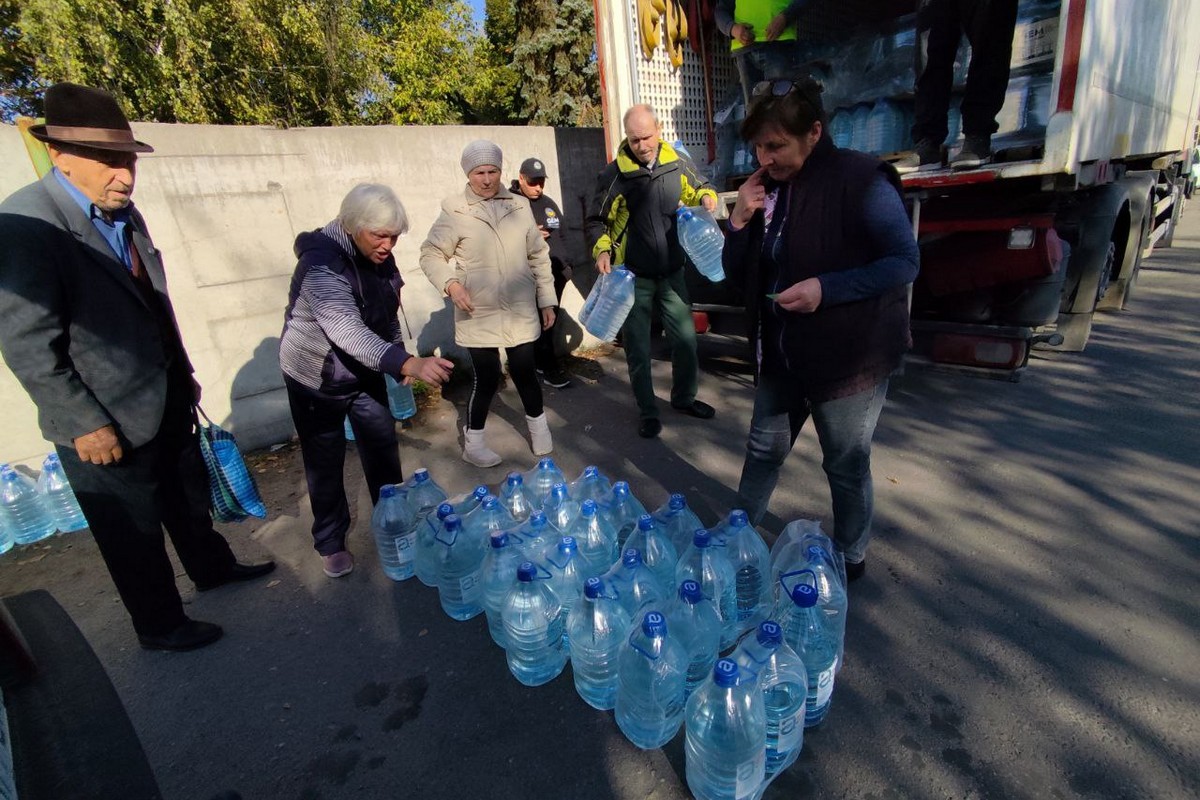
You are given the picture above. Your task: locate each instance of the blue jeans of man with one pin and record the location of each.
(845, 427)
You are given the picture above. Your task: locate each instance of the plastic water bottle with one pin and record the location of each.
(710, 567)
(841, 128)
(596, 630)
(423, 494)
(885, 128)
(541, 479)
(783, 681)
(566, 569)
(349, 430)
(533, 628)
(831, 594)
(805, 632)
(28, 518)
(725, 746)
(694, 620)
(596, 537)
(591, 485)
(624, 510)
(395, 532)
(425, 562)
(658, 554)
(560, 508)
(534, 536)
(679, 521)
(636, 586)
(58, 498)
(593, 298)
(489, 516)
(859, 132)
(702, 240)
(752, 569)
(612, 305)
(499, 575)
(461, 560)
(401, 400)
(516, 498)
(651, 680)
(6, 535)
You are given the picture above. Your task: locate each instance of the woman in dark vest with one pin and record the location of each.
(823, 246)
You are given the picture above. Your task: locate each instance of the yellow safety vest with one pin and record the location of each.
(758, 14)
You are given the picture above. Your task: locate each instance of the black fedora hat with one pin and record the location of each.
(87, 117)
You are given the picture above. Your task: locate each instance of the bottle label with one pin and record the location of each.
(750, 774)
(406, 547)
(790, 730)
(824, 686)
(467, 585)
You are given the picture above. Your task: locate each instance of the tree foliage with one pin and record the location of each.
(492, 95)
(555, 60)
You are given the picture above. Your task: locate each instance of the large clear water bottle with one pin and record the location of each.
(694, 619)
(596, 537)
(885, 128)
(489, 516)
(679, 521)
(566, 569)
(624, 510)
(591, 484)
(541, 479)
(58, 498)
(805, 631)
(596, 629)
(651, 681)
(752, 569)
(560, 508)
(499, 575)
(710, 567)
(593, 297)
(534, 536)
(783, 681)
(425, 562)
(423, 494)
(658, 554)
(841, 128)
(516, 498)
(702, 240)
(465, 504)
(612, 305)
(28, 518)
(859, 132)
(637, 587)
(725, 746)
(6, 535)
(395, 532)
(460, 561)
(831, 593)
(401, 400)
(533, 628)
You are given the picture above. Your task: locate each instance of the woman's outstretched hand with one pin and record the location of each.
(430, 369)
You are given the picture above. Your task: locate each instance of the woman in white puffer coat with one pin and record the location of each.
(486, 253)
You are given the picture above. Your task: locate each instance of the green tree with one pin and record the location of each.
(555, 60)
(492, 93)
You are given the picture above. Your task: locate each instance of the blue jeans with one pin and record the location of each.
(845, 427)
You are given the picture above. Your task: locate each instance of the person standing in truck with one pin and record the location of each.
(762, 37)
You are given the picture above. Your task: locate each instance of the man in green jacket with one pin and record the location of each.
(632, 222)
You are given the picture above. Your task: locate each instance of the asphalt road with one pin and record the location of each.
(1028, 626)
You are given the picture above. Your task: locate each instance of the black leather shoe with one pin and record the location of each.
(697, 409)
(191, 635)
(238, 573)
(649, 427)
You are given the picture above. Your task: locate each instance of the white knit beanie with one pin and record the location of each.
(481, 152)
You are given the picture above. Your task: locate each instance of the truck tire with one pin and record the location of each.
(1132, 246)
(1098, 229)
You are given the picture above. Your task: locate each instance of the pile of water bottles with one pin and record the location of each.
(643, 605)
(30, 512)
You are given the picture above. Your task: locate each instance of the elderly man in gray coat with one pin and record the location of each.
(90, 333)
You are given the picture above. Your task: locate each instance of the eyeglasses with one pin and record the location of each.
(780, 87)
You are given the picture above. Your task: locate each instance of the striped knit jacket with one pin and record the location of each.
(340, 327)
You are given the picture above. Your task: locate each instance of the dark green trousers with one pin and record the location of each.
(669, 295)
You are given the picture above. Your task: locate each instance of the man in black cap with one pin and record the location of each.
(531, 184)
(90, 333)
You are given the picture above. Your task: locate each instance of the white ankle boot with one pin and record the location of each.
(539, 435)
(476, 451)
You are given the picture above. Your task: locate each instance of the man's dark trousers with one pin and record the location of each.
(163, 483)
(543, 351)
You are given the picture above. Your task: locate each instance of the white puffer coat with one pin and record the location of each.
(496, 250)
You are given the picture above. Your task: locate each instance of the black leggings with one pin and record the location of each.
(486, 363)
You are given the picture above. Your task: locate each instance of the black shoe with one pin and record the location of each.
(855, 571)
(649, 427)
(555, 378)
(976, 151)
(238, 573)
(926, 154)
(191, 635)
(697, 409)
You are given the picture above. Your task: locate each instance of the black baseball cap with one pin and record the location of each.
(533, 168)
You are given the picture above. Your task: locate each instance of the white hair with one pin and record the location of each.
(373, 206)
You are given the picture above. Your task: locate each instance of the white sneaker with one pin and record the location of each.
(476, 451)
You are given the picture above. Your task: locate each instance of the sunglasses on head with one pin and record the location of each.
(779, 87)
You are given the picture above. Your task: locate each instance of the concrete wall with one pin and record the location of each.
(224, 204)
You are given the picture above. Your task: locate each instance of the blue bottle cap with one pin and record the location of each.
(815, 551)
(499, 539)
(725, 673)
(738, 518)
(559, 490)
(593, 587)
(546, 463)
(420, 475)
(527, 571)
(631, 557)
(567, 544)
(683, 212)
(690, 592)
(645, 522)
(453, 522)
(387, 490)
(770, 634)
(51, 459)
(514, 479)
(591, 471)
(588, 508)
(701, 538)
(538, 520)
(444, 510)
(489, 501)
(677, 502)
(804, 595)
(654, 625)
(621, 487)
(481, 492)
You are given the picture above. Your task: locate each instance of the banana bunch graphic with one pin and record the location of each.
(673, 19)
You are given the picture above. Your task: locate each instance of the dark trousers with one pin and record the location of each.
(320, 424)
(544, 355)
(162, 484)
(485, 363)
(669, 296)
(988, 26)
